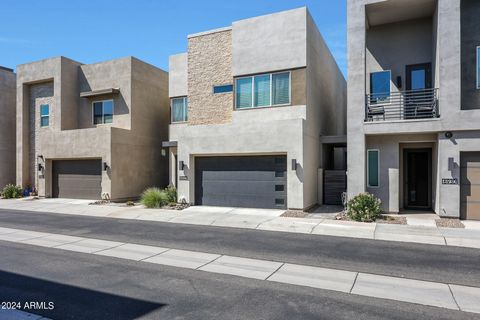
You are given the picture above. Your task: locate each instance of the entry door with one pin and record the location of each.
(418, 83)
(470, 185)
(418, 178)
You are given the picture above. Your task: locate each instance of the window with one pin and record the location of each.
(478, 67)
(223, 88)
(103, 112)
(264, 90)
(179, 109)
(380, 86)
(373, 168)
(44, 115)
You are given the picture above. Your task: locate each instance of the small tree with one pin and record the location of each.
(364, 207)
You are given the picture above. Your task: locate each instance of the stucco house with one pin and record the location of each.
(7, 126)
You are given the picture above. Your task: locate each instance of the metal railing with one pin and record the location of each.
(403, 105)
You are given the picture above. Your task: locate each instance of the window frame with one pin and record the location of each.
(270, 105)
(387, 100)
(477, 62)
(185, 109)
(378, 168)
(103, 112)
(43, 116)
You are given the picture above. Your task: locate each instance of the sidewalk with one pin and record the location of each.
(261, 219)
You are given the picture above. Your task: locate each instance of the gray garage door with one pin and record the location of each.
(77, 179)
(470, 185)
(243, 181)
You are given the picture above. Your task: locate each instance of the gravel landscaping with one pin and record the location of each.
(449, 223)
(294, 214)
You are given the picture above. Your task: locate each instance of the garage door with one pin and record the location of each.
(77, 179)
(246, 181)
(470, 185)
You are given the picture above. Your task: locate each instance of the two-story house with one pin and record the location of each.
(258, 111)
(91, 131)
(7, 126)
(414, 104)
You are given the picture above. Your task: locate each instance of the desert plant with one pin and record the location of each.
(154, 198)
(11, 191)
(171, 192)
(364, 207)
(130, 203)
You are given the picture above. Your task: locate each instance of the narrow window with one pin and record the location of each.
(103, 112)
(478, 67)
(279, 202)
(380, 86)
(44, 115)
(373, 168)
(179, 109)
(281, 88)
(262, 90)
(244, 93)
(279, 187)
(223, 88)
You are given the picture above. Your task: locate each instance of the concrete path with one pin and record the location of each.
(443, 295)
(13, 314)
(420, 230)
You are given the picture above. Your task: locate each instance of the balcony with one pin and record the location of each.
(403, 105)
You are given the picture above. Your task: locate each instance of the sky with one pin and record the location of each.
(92, 31)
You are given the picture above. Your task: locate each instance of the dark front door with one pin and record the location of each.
(418, 98)
(77, 179)
(418, 178)
(241, 181)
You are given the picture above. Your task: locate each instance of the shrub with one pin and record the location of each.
(130, 203)
(364, 207)
(11, 191)
(154, 198)
(171, 192)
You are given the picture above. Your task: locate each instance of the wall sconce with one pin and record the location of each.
(181, 165)
(40, 167)
(105, 166)
(448, 134)
(294, 164)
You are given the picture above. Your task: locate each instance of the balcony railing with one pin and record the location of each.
(403, 105)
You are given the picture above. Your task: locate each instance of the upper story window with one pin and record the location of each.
(179, 109)
(103, 112)
(380, 86)
(44, 115)
(478, 67)
(264, 90)
(223, 88)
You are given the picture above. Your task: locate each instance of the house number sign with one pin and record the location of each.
(450, 181)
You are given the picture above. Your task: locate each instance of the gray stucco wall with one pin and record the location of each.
(282, 35)
(178, 75)
(470, 13)
(7, 127)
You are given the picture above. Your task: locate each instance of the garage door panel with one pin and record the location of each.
(77, 179)
(241, 181)
(470, 185)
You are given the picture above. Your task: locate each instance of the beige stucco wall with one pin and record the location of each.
(7, 127)
(209, 64)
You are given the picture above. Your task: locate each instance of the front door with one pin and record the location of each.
(418, 178)
(418, 96)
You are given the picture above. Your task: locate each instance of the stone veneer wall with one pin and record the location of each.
(209, 64)
(39, 94)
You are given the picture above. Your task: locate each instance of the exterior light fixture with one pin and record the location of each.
(40, 167)
(448, 134)
(181, 165)
(105, 166)
(294, 164)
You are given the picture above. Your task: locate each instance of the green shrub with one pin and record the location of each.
(154, 198)
(364, 207)
(171, 192)
(11, 191)
(130, 203)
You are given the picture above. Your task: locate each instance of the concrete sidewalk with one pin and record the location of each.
(442, 295)
(261, 219)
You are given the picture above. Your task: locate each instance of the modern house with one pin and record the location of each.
(91, 131)
(414, 104)
(7, 126)
(258, 114)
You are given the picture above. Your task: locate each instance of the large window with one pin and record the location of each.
(44, 115)
(478, 67)
(179, 109)
(380, 86)
(103, 112)
(264, 90)
(373, 168)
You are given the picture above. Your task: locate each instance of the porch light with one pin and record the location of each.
(181, 165)
(105, 166)
(40, 167)
(294, 164)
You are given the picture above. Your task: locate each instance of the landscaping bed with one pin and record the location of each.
(449, 223)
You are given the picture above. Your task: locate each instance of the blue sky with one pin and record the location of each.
(92, 31)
